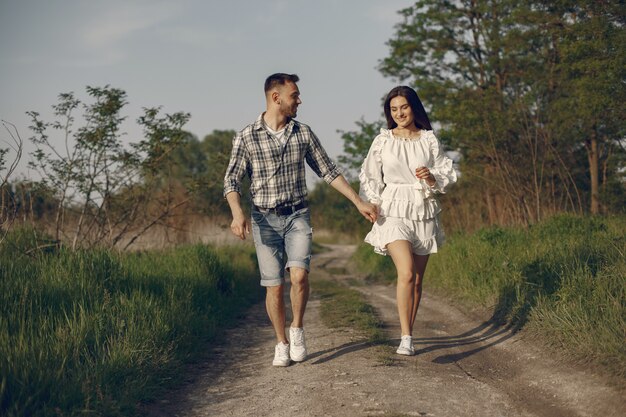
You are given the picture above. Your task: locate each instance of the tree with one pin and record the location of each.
(216, 148)
(333, 212)
(200, 166)
(491, 72)
(589, 107)
(356, 145)
(8, 205)
(106, 192)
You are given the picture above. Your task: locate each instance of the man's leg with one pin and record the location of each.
(267, 232)
(275, 305)
(298, 242)
(299, 294)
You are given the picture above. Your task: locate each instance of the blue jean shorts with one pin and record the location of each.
(281, 242)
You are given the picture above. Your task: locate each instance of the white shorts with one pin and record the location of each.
(426, 236)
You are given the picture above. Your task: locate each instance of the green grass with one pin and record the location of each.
(374, 267)
(563, 280)
(97, 332)
(345, 307)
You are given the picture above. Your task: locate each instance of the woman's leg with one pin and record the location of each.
(402, 256)
(419, 261)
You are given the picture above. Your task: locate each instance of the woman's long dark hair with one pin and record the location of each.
(419, 114)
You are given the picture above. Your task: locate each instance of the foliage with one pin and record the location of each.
(217, 147)
(200, 165)
(356, 144)
(561, 279)
(106, 191)
(375, 267)
(588, 105)
(531, 95)
(8, 205)
(331, 211)
(96, 332)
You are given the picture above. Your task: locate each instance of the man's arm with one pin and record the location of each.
(318, 160)
(239, 226)
(368, 210)
(239, 158)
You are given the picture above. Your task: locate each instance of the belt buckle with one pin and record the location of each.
(285, 210)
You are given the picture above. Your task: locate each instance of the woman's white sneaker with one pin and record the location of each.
(281, 355)
(406, 346)
(297, 345)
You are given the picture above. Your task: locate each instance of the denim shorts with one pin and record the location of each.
(281, 242)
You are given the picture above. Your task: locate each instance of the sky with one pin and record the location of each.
(205, 57)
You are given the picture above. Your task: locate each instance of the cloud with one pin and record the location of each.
(103, 38)
(200, 37)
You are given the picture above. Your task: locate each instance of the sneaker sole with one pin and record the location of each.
(405, 352)
(298, 359)
(281, 364)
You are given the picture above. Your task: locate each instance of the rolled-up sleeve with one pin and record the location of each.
(320, 163)
(239, 160)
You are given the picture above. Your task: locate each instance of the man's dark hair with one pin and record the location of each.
(279, 79)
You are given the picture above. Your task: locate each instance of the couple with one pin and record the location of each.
(403, 170)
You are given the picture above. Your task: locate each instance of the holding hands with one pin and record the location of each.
(368, 210)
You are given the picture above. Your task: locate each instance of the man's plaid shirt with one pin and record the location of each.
(277, 173)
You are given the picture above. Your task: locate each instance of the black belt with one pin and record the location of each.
(283, 210)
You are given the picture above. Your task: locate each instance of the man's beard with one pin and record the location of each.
(290, 112)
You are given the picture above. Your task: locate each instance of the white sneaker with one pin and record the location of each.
(281, 355)
(297, 346)
(406, 346)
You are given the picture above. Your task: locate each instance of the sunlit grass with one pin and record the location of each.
(563, 280)
(96, 332)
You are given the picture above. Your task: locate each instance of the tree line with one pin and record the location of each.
(530, 94)
(95, 189)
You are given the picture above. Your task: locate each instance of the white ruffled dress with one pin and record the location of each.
(408, 207)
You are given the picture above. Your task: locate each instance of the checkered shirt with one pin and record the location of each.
(277, 173)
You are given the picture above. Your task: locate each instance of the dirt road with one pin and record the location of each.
(463, 367)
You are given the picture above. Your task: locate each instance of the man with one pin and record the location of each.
(272, 152)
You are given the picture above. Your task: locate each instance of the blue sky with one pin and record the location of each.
(208, 58)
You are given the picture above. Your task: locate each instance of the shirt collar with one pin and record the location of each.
(260, 124)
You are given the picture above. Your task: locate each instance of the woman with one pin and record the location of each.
(403, 170)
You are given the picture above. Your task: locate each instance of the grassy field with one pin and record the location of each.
(97, 332)
(563, 281)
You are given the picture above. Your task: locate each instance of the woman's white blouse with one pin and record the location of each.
(388, 175)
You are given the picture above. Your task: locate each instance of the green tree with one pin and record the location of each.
(217, 146)
(106, 191)
(332, 211)
(491, 73)
(200, 165)
(589, 107)
(356, 145)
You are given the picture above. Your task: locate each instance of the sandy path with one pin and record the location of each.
(463, 368)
